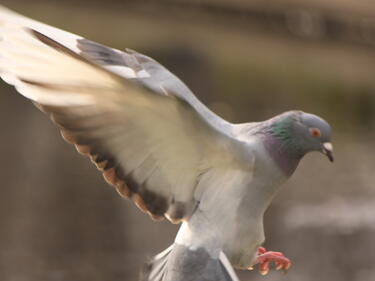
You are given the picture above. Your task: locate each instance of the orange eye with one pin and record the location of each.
(315, 132)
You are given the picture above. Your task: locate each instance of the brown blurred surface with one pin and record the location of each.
(60, 221)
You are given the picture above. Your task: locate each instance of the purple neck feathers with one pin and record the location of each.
(285, 158)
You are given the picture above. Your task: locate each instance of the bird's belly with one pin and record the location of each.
(241, 245)
(241, 242)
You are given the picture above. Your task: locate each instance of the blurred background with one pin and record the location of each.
(248, 60)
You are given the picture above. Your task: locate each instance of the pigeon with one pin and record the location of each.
(159, 146)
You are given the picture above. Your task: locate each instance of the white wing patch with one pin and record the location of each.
(24, 58)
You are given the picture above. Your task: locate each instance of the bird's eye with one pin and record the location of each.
(315, 132)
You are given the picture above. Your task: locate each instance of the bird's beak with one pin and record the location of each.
(328, 150)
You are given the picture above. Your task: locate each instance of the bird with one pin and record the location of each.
(160, 147)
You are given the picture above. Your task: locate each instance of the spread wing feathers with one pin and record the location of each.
(151, 147)
(129, 64)
(148, 72)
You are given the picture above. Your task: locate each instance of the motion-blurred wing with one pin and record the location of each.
(129, 64)
(147, 72)
(152, 146)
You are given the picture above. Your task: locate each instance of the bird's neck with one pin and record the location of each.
(287, 159)
(282, 146)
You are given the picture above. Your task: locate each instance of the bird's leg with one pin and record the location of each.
(265, 257)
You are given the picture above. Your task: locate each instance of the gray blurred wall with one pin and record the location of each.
(59, 220)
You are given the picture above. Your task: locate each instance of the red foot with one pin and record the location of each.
(264, 258)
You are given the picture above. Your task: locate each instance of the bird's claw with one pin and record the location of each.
(264, 259)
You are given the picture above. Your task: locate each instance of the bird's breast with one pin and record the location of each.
(242, 242)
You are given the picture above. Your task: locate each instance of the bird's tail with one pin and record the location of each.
(155, 269)
(179, 263)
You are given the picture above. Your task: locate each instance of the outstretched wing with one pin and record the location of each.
(129, 64)
(147, 72)
(150, 142)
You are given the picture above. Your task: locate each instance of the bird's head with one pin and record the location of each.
(303, 132)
